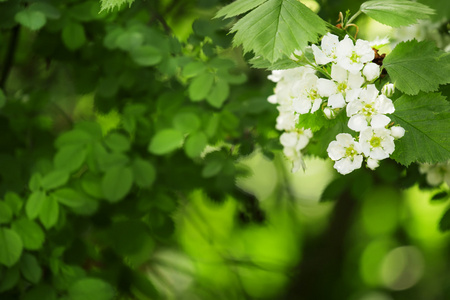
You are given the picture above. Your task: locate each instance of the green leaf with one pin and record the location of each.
(54, 179)
(31, 19)
(73, 35)
(2, 98)
(34, 204)
(396, 13)
(30, 268)
(10, 278)
(146, 56)
(144, 173)
(35, 182)
(10, 247)
(277, 28)
(70, 158)
(92, 185)
(30, 233)
(49, 213)
(193, 69)
(195, 144)
(41, 292)
(69, 197)
(415, 66)
(91, 289)
(73, 137)
(200, 86)
(165, 141)
(14, 202)
(117, 183)
(117, 142)
(6, 213)
(426, 119)
(111, 4)
(219, 93)
(444, 223)
(125, 243)
(238, 7)
(47, 9)
(186, 122)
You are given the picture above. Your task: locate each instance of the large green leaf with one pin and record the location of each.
(416, 66)
(10, 247)
(277, 28)
(396, 13)
(238, 7)
(426, 119)
(30, 268)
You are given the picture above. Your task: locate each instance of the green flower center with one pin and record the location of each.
(368, 110)
(350, 152)
(375, 142)
(355, 57)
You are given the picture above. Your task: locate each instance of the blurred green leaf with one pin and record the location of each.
(54, 179)
(10, 278)
(91, 289)
(165, 141)
(6, 213)
(49, 212)
(146, 56)
(30, 268)
(117, 142)
(31, 19)
(34, 204)
(68, 197)
(186, 122)
(144, 173)
(200, 86)
(10, 247)
(30, 233)
(14, 202)
(195, 144)
(41, 292)
(73, 35)
(116, 183)
(70, 158)
(219, 93)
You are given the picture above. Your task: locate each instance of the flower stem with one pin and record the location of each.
(353, 17)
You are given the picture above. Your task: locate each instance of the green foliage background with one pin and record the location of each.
(139, 160)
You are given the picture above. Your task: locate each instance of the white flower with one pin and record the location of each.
(346, 152)
(307, 98)
(327, 52)
(293, 142)
(388, 89)
(353, 57)
(369, 109)
(371, 71)
(377, 143)
(336, 89)
(287, 119)
(436, 173)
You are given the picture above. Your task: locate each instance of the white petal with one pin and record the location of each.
(345, 139)
(338, 73)
(379, 121)
(335, 150)
(329, 43)
(384, 105)
(352, 94)
(316, 105)
(319, 56)
(370, 93)
(336, 101)
(372, 163)
(355, 80)
(326, 87)
(272, 99)
(301, 105)
(357, 123)
(354, 107)
(346, 165)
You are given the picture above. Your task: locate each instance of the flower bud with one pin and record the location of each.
(388, 89)
(371, 71)
(329, 113)
(397, 132)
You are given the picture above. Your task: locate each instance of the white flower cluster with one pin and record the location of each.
(350, 86)
(436, 173)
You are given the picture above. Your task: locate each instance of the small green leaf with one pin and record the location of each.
(144, 173)
(10, 247)
(73, 35)
(195, 144)
(91, 289)
(69, 197)
(396, 13)
(146, 56)
(49, 213)
(32, 19)
(212, 168)
(111, 4)
(219, 93)
(92, 185)
(165, 141)
(34, 204)
(117, 142)
(129, 41)
(54, 179)
(70, 158)
(73, 137)
(10, 278)
(117, 183)
(238, 7)
(47, 9)
(41, 292)
(200, 86)
(35, 182)
(30, 233)
(186, 122)
(30, 268)
(6, 213)
(193, 69)
(415, 66)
